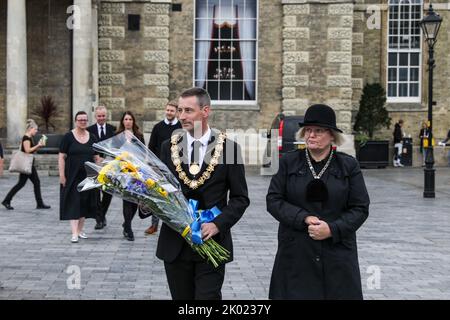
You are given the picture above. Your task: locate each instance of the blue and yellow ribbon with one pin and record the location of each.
(200, 217)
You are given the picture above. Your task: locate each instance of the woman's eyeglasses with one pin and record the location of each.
(317, 131)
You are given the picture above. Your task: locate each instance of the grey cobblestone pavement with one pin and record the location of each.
(405, 241)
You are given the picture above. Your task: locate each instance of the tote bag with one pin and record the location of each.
(21, 162)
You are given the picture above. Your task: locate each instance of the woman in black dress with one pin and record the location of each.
(28, 147)
(74, 151)
(128, 124)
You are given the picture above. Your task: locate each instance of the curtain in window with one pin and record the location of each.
(247, 30)
(204, 34)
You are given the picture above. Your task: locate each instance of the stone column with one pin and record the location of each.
(94, 101)
(16, 71)
(81, 55)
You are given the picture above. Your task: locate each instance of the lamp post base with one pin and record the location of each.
(429, 170)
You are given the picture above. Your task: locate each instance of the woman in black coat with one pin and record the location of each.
(320, 199)
(129, 126)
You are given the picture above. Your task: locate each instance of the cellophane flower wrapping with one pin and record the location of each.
(132, 172)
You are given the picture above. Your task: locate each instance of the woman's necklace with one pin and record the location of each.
(316, 190)
(325, 167)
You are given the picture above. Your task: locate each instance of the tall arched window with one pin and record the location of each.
(225, 49)
(404, 51)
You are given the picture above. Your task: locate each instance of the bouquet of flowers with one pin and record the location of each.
(133, 173)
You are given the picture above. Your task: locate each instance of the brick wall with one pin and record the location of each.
(49, 58)
(134, 65)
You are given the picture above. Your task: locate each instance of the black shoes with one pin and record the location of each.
(39, 206)
(99, 225)
(7, 205)
(128, 235)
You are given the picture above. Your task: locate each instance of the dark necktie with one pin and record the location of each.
(195, 154)
(102, 133)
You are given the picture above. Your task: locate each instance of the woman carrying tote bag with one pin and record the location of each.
(28, 146)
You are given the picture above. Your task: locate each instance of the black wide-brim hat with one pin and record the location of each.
(320, 115)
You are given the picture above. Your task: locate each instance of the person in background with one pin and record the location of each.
(1, 160)
(102, 131)
(28, 146)
(74, 151)
(398, 144)
(423, 135)
(161, 132)
(128, 124)
(444, 143)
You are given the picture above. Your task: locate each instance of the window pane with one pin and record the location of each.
(246, 49)
(238, 90)
(213, 89)
(392, 89)
(226, 11)
(249, 8)
(403, 59)
(403, 89)
(392, 74)
(225, 90)
(414, 90)
(415, 42)
(392, 59)
(203, 10)
(414, 59)
(414, 74)
(403, 74)
(249, 87)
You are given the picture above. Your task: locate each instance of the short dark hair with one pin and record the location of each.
(79, 113)
(173, 103)
(202, 95)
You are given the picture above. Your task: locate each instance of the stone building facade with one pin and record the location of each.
(307, 51)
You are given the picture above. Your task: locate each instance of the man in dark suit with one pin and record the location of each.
(190, 276)
(102, 131)
(161, 132)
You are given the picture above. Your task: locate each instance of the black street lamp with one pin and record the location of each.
(430, 26)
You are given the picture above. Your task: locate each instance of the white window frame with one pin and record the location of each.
(407, 99)
(231, 102)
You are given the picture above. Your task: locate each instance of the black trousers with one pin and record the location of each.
(194, 278)
(104, 202)
(129, 211)
(22, 181)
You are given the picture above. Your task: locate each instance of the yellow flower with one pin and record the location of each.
(101, 178)
(127, 166)
(123, 156)
(150, 183)
(163, 192)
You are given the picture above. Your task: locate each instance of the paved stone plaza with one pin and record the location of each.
(406, 239)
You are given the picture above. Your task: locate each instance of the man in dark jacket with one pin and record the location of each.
(161, 132)
(222, 185)
(102, 131)
(398, 143)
